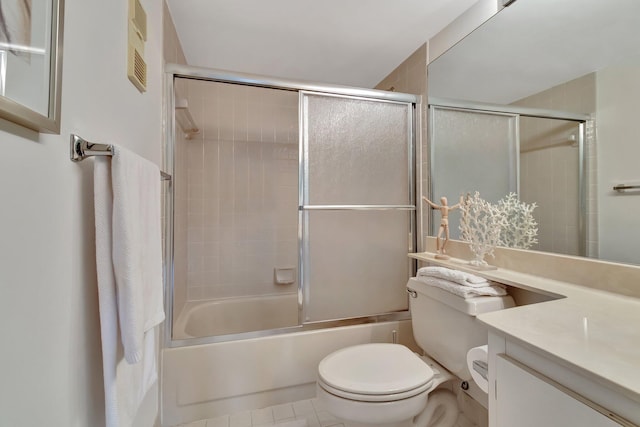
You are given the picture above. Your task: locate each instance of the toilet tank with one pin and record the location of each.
(445, 325)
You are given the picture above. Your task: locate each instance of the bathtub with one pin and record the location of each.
(235, 315)
(211, 380)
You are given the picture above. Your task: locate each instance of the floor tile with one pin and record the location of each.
(303, 407)
(326, 419)
(282, 412)
(243, 419)
(312, 420)
(262, 416)
(218, 422)
(292, 423)
(317, 405)
(304, 413)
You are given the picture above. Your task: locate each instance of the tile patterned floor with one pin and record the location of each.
(286, 415)
(282, 415)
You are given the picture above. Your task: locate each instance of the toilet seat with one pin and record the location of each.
(377, 372)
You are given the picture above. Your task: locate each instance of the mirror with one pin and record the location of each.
(556, 62)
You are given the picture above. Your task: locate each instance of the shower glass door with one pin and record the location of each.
(292, 206)
(357, 204)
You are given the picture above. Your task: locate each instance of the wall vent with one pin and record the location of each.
(137, 70)
(136, 66)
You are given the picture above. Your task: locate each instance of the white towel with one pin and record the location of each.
(493, 289)
(125, 384)
(137, 248)
(459, 277)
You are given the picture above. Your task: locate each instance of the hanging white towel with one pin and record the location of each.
(137, 248)
(459, 277)
(464, 291)
(125, 384)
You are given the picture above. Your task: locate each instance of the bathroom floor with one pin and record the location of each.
(304, 413)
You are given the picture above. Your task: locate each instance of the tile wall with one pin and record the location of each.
(549, 168)
(241, 176)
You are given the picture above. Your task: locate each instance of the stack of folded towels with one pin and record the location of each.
(459, 283)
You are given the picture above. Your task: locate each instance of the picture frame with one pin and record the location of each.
(31, 63)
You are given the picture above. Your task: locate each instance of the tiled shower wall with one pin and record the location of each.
(549, 177)
(551, 167)
(241, 190)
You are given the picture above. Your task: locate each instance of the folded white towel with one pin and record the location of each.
(493, 289)
(459, 277)
(137, 248)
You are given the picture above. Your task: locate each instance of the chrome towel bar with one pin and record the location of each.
(81, 149)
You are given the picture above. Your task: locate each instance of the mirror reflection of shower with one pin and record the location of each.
(235, 214)
(549, 176)
(541, 155)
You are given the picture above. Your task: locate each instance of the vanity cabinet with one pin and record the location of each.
(525, 398)
(527, 389)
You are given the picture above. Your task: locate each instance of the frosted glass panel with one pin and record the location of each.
(471, 152)
(357, 151)
(358, 263)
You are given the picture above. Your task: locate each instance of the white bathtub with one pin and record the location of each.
(210, 380)
(235, 315)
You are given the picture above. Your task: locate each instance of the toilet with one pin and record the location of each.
(388, 384)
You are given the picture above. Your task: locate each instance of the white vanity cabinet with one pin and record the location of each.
(525, 398)
(521, 396)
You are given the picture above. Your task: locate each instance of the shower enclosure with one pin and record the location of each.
(293, 205)
(538, 154)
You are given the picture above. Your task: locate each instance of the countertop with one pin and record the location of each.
(593, 332)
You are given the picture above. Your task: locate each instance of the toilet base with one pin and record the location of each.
(441, 410)
(368, 413)
(438, 408)
(416, 411)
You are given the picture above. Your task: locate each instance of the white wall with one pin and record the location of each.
(50, 363)
(618, 92)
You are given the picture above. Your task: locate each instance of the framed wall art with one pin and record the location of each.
(31, 63)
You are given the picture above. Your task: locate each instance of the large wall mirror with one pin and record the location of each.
(549, 91)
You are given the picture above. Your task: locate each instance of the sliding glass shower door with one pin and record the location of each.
(292, 205)
(357, 204)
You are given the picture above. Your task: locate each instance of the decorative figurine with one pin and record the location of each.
(444, 224)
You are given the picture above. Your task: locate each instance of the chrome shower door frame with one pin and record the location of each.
(173, 71)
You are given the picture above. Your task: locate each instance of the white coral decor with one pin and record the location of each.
(480, 225)
(519, 227)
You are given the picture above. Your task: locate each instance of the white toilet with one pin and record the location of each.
(389, 384)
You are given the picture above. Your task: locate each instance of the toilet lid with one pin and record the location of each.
(374, 369)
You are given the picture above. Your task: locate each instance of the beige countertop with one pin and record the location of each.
(593, 332)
